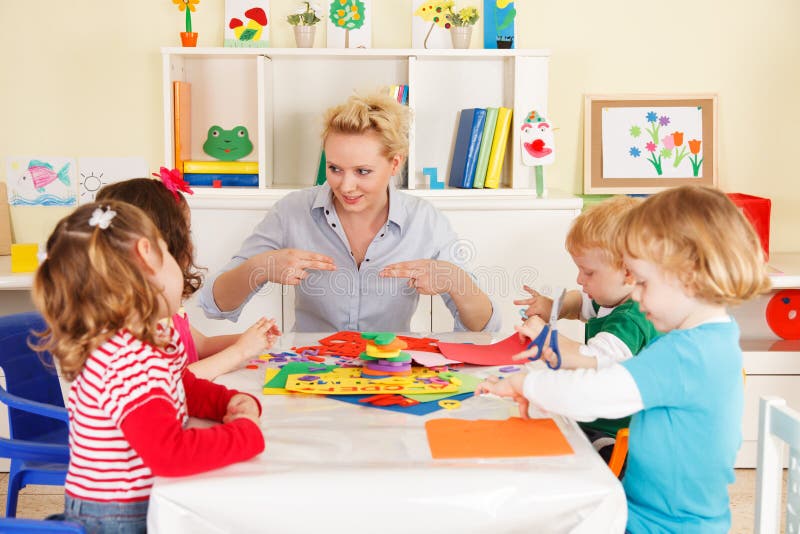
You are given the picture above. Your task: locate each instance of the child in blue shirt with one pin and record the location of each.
(692, 254)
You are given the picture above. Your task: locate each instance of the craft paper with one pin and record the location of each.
(349, 24)
(652, 142)
(499, 18)
(468, 385)
(247, 23)
(276, 382)
(514, 437)
(40, 181)
(429, 359)
(342, 382)
(423, 408)
(94, 173)
(429, 28)
(499, 353)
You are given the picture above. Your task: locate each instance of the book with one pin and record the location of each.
(475, 136)
(498, 153)
(226, 180)
(182, 124)
(221, 167)
(465, 150)
(485, 149)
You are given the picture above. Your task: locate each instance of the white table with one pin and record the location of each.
(330, 467)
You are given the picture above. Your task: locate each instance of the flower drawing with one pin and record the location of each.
(697, 161)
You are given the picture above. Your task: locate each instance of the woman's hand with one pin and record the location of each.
(428, 277)
(289, 266)
(537, 304)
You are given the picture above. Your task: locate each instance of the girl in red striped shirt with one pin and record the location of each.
(107, 282)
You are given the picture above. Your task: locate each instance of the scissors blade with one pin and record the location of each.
(558, 300)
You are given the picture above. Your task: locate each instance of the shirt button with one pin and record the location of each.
(327, 212)
(381, 235)
(333, 224)
(367, 259)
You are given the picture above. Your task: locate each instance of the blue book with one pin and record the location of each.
(458, 164)
(475, 136)
(226, 180)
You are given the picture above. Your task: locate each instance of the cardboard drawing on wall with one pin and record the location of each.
(94, 173)
(40, 181)
(499, 18)
(538, 146)
(228, 145)
(5, 222)
(246, 23)
(350, 24)
(429, 27)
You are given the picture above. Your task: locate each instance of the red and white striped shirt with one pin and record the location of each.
(127, 410)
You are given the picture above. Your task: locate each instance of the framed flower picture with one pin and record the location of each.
(646, 143)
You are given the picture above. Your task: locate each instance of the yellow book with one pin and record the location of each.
(498, 152)
(220, 167)
(181, 109)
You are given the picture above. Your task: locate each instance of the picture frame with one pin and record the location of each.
(642, 144)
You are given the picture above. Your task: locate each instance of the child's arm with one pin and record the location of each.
(541, 306)
(571, 357)
(155, 432)
(208, 345)
(252, 342)
(582, 394)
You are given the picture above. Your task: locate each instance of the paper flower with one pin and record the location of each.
(102, 219)
(173, 181)
(188, 6)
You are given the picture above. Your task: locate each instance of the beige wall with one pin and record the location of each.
(83, 78)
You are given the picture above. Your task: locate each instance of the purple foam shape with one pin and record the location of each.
(308, 378)
(509, 369)
(387, 368)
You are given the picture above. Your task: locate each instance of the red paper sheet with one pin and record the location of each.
(514, 437)
(499, 353)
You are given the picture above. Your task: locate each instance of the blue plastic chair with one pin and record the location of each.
(37, 420)
(39, 526)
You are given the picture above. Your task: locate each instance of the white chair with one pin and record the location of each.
(778, 424)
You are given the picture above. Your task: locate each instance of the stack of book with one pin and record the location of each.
(204, 173)
(221, 173)
(480, 148)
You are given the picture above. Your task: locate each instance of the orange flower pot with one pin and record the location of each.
(189, 38)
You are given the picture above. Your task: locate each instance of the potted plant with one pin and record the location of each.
(462, 22)
(188, 38)
(304, 21)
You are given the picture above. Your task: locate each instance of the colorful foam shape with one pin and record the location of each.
(499, 353)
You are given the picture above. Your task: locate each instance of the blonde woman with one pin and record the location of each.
(358, 251)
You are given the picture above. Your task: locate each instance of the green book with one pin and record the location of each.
(485, 149)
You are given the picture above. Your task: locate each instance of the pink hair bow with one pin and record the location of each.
(173, 181)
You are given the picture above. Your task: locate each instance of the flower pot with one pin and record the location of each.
(189, 38)
(461, 36)
(505, 42)
(304, 36)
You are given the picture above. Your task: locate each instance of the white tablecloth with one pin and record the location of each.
(332, 467)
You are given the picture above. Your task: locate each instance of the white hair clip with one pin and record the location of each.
(102, 218)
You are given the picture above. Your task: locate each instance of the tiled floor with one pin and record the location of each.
(40, 501)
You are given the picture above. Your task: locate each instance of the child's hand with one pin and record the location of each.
(258, 338)
(538, 305)
(511, 386)
(241, 406)
(527, 333)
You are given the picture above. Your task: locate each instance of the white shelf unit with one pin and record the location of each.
(772, 364)
(280, 95)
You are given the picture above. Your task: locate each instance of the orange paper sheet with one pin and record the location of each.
(514, 437)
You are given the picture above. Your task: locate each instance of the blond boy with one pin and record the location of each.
(616, 329)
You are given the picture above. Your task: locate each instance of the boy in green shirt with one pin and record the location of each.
(615, 328)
